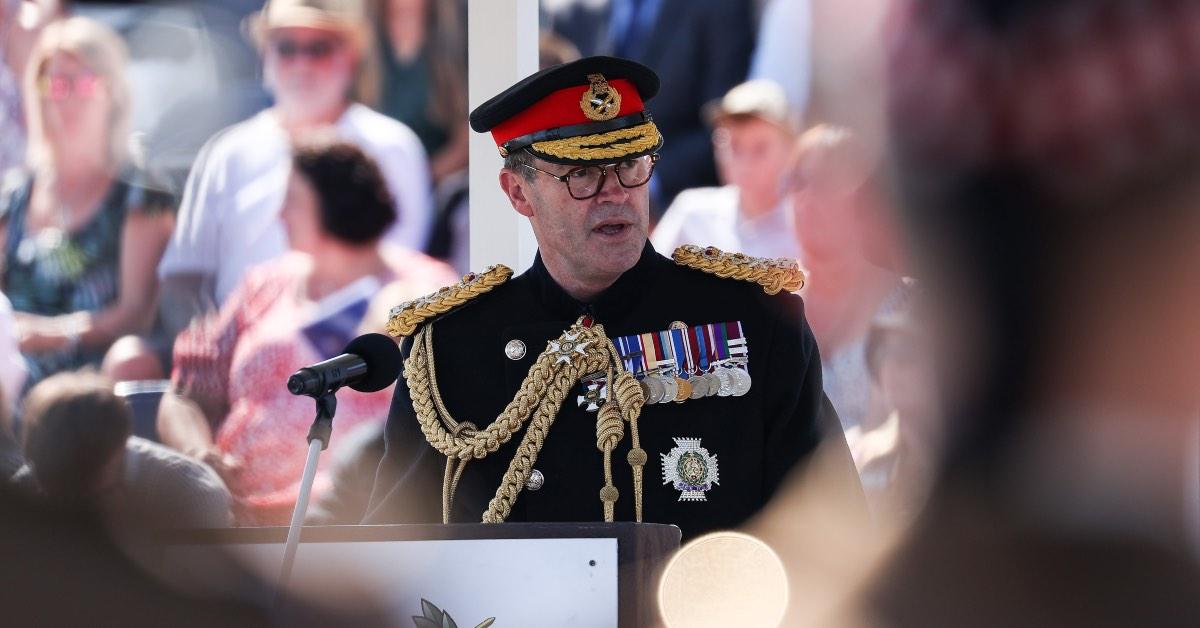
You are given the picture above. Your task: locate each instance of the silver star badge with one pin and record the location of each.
(567, 347)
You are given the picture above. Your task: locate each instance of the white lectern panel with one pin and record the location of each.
(525, 583)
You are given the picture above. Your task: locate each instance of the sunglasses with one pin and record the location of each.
(62, 86)
(317, 50)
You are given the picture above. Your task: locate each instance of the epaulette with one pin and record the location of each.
(773, 275)
(406, 317)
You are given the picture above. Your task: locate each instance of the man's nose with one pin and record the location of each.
(611, 188)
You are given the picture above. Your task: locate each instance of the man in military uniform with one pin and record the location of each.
(607, 381)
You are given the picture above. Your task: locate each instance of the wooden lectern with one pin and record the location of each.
(525, 575)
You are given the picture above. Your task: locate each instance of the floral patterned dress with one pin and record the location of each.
(245, 354)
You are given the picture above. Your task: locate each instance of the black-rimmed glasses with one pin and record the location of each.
(587, 181)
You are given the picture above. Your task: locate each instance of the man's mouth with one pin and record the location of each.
(611, 228)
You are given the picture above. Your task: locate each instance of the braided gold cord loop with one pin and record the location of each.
(629, 395)
(774, 275)
(578, 351)
(406, 317)
(610, 427)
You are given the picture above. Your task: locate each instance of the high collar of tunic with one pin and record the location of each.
(613, 304)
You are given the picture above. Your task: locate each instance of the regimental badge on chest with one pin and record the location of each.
(690, 469)
(683, 363)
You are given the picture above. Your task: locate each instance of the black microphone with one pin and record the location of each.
(369, 363)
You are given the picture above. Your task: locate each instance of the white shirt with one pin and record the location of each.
(710, 217)
(13, 369)
(784, 50)
(229, 217)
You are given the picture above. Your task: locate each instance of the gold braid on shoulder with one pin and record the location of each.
(774, 275)
(581, 350)
(406, 317)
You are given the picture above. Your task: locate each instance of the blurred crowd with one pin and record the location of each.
(195, 221)
(200, 197)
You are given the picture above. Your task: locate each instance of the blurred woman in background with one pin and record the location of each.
(423, 49)
(232, 409)
(81, 238)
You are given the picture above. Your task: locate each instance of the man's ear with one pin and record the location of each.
(516, 187)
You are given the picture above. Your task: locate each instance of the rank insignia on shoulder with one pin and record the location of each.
(690, 469)
(406, 317)
(774, 275)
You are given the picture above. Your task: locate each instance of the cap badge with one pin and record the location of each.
(600, 101)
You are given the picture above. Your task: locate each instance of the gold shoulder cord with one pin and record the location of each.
(579, 351)
(774, 275)
(406, 317)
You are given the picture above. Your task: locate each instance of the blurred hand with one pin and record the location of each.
(228, 466)
(37, 337)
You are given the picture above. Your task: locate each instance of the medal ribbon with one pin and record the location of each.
(737, 339)
(668, 348)
(700, 340)
(653, 351)
(684, 350)
(720, 341)
(632, 353)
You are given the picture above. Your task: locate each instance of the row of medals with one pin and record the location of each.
(726, 380)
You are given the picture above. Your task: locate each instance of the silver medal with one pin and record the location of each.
(741, 381)
(670, 388)
(726, 387)
(656, 389)
(699, 386)
(714, 384)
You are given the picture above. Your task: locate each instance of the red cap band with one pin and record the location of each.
(561, 108)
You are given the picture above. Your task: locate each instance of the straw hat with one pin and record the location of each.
(344, 16)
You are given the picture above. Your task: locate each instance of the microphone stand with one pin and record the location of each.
(318, 440)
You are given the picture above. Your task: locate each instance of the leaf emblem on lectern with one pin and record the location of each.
(434, 617)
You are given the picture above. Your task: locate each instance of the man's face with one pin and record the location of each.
(751, 153)
(594, 238)
(309, 68)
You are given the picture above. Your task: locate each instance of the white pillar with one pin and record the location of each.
(502, 49)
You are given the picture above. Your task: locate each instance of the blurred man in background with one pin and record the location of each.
(753, 133)
(229, 217)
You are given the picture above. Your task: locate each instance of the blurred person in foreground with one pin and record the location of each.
(752, 139)
(839, 214)
(896, 459)
(80, 452)
(313, 55)
(81, 236)
(232, 408)
(1055, 194)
